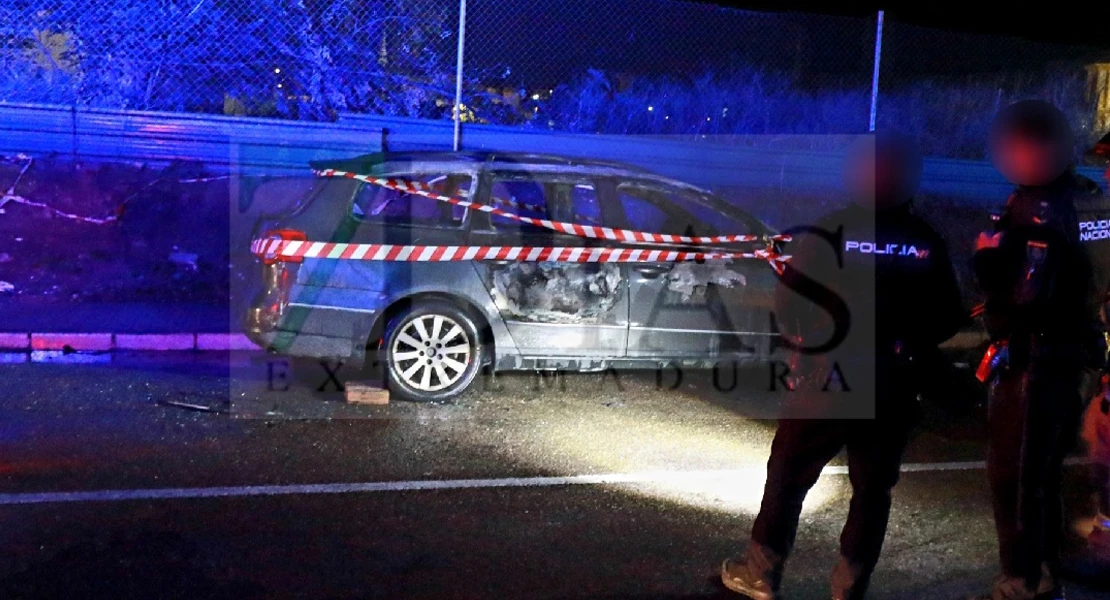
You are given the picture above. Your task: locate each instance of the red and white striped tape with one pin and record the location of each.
(283, 249)
(586, 231)
(293, 249)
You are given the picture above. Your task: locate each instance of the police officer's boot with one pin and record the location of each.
(1015, 588)
(850, 580)
(1050, 587)
(757, 575)
(1007, 588)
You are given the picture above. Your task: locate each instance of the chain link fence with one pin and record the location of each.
(622, 67)
(578, 65)
(946, 86)
(670, 67)
(295, 59)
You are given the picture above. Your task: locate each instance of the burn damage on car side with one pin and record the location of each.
(691, 280)
(556, 293)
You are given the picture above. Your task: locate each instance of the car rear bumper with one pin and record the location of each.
(288, 343)
(313, 331)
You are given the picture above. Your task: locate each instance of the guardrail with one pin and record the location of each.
(269, 146)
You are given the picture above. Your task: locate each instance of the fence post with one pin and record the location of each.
(875, 73)
(459, 76)
(73, 129)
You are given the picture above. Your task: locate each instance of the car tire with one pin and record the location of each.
(432, 352)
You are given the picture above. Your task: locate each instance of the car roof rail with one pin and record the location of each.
(366, 162)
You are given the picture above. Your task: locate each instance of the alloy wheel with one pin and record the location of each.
(431, 352)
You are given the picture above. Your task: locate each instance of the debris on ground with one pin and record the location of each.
(184, 259)
(6, 288)
(199, 404)
(366, 392)
(157, 234)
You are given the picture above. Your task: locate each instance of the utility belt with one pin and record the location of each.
(1094, 384)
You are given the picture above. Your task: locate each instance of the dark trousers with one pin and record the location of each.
(801, 449)
(1034, 418)
(1102, 480)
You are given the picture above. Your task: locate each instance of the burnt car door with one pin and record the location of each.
(691, 310)
(557, 309)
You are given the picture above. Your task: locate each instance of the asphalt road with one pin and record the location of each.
(594, 486)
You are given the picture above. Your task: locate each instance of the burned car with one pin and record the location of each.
(441, 264)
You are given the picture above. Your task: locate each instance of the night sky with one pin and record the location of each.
(1064, 21)
(550, 42)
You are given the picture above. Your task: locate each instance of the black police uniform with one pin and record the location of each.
(1045, 284)
(896, 270)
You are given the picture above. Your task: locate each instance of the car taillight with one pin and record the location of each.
(271, 243)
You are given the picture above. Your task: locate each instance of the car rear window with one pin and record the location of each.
(374, 203)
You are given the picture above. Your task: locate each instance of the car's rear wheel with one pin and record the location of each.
(432, 352)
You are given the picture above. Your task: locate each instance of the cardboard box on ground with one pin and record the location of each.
(366, 392)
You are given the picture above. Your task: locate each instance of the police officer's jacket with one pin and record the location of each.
(893, 272)
(1050, 275)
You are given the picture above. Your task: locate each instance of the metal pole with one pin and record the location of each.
(875, 74)
(459, 75)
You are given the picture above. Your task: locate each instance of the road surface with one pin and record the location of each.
(594, 486)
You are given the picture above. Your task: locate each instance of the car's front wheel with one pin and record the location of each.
(432, 352)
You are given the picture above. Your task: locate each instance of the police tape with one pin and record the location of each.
(585, 231)
(5, 199)
(296, 250)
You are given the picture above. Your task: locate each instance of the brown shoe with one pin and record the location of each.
(737, 576)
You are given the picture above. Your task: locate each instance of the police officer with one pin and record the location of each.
(1044, 275)
(892, 271)
(1096, 432)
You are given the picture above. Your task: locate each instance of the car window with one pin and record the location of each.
(658, 209)
(563, 201)
(641, 213)
(583, 199)
(524, 197)
(723, 223)
(375, 203)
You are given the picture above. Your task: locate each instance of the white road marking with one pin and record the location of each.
(444, 484)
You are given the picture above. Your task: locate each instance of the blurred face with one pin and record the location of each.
(1029, 161)
(876, 181)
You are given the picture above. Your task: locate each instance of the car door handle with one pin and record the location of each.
(651, 271)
